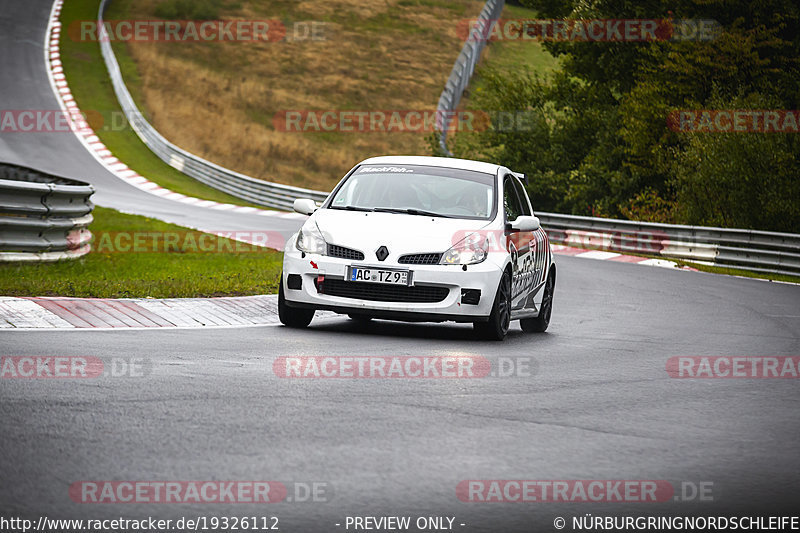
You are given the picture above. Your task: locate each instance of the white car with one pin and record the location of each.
(422, 239)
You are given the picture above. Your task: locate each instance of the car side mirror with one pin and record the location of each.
(526, 223)
(304, 206)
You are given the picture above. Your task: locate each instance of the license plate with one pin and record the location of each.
(375, 275)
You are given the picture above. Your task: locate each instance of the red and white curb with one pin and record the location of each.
(87, 137)
(560, 249)
(143, 313)
(139, 313)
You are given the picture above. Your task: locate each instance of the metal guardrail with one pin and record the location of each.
(42, 217)
(760, 251)
(253, 190)
(464, 67)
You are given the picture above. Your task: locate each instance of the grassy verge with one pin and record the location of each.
(507, 56)
(737, 271)
(715, 269)
(184, 272)
(504, 57)
(90, 85)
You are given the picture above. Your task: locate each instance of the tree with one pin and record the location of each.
(597, 138)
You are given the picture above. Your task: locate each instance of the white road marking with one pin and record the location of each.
(21, 313)
(659, 263)
(598, 254)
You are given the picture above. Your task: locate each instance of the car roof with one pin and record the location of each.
(447, 162)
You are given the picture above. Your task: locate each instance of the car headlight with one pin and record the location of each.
(473, 249)
(310, 240)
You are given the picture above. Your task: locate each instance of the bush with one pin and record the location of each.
(742, 180)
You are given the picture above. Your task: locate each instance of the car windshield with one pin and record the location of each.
(418, 190)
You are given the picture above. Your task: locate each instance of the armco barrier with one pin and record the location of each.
(464, 67)
(42, 217)
(253, 190)
(760, 251)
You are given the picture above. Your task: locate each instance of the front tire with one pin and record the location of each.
(540, 323)
(291, 316)
(500, 319)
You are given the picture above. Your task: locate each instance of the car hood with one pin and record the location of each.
(401, 234)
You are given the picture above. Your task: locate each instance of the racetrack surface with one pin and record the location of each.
(598, 405)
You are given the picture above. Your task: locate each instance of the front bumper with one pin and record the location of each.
(312, 268)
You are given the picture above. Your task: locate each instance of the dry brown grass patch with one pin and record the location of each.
(218, 99)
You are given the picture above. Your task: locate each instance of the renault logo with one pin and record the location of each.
(382, 253)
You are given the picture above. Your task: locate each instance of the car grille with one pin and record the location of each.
(420, 259)
(382, 293)
(344, 253)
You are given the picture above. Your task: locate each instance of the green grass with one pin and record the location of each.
(516, 55)
(184, 273)
(505, 57)
(737, 272)
(90, 85)
(714, 269)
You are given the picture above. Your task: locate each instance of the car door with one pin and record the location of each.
(540, 250)
(518, 243)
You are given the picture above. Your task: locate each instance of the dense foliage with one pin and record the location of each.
(595, 138)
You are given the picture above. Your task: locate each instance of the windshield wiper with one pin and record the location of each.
(351, 208)
(410, 212)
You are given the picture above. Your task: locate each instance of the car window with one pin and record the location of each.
(523, 197)
(448, 192)
(511, 201)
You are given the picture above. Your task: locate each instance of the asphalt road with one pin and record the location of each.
(598, 404)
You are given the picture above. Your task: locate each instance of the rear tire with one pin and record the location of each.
(500, 319)
(292, 316)
(540, 323)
